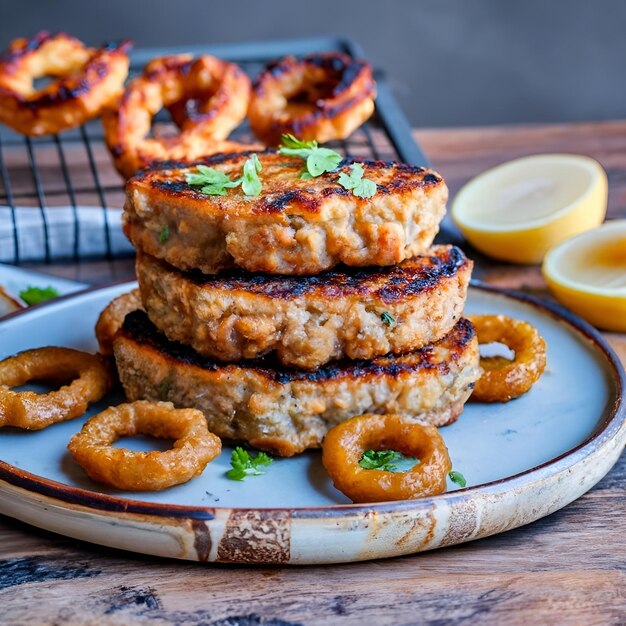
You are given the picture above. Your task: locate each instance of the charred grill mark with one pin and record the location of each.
(138, 329)
(308, 196)
(389, 284)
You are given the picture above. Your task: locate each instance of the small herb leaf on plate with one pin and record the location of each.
(245, 464)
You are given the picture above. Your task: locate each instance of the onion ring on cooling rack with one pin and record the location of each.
(194, 446)
(89, 376)
(320, 97)
(86, 81)
(345, 444)
(219, 92)
(503, 379)
(112, 318)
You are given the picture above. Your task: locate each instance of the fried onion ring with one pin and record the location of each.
(89, 376)
(194, 446)
(207, 98)
(504, 379)
(345, 444)
(112, 318)
(322, 96)
(86, 81)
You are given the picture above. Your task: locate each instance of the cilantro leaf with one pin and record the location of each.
(250, 183)
(387, 461)
(164, 235)
(387, 318)
(34, 295)
(318, 160)
(244, 464)
(213, 182)
(458, 478)
(361, 187)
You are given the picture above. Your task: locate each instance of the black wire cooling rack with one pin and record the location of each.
(61, 198)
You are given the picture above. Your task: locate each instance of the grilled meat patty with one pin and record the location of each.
(286, 411)
(295, 226)
(308, 321)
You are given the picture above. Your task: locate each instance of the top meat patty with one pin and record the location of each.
(295, 226)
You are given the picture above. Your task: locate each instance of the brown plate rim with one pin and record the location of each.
(605, 431)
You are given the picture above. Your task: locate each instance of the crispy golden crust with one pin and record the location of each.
(87, 80)
(321, 96)
(295, 226)
(345, 444)
(193, 448)
(285, 410)
(207, 97)
(112, 317)
(309, 321)
(503, 379)
(83, 378)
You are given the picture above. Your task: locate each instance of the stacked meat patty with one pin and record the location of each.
(282, 314)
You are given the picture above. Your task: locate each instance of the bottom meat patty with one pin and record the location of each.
(285, 411)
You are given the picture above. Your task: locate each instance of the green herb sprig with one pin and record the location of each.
(388, 319)
(458, 478)
(387, 461)
(244, 464)
(354, 181)
(213, 182)
(318, 160)
(34, 295)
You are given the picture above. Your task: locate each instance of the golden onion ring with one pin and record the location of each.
(89, 376)
(112, 318)
(504, 379)
(86, 80)
(219, 92)
(194, 446)
(320, 97)
(345, 444)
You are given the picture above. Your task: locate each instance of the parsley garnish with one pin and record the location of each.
(318, 160)
(250, 182)
(215, 183)
(244, 464)
(164, 234)
(164, 388)
(458, 478)
(35, 295)
(387, 460)
(361, 187)
(387, 318)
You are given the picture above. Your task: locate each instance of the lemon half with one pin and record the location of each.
(518, 210)
(588, 275)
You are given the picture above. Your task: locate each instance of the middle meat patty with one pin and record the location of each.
(309, 321)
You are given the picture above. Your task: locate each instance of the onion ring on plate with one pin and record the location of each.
(194, 446)
(90, 380)
(112, 318)
(320, 97)
(504, 379)
(86, 81)
(345, 444)
(219, 92)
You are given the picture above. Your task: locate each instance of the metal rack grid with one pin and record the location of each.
(61, 198)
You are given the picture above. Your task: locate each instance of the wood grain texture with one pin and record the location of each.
(568, 568)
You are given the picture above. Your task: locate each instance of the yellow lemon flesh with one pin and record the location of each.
(588, 275)
(517, 211)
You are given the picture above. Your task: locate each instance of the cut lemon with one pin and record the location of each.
(517, 211)
(588, 275)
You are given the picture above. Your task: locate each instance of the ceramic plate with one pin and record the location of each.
(522, 460)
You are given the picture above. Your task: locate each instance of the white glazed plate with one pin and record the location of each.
(522, 460)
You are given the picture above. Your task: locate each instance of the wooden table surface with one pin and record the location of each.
(568, 568)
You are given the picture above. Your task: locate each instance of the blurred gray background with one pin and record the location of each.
(450, 62)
